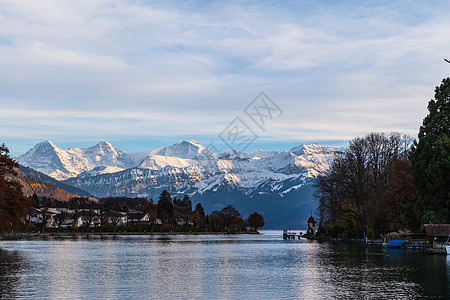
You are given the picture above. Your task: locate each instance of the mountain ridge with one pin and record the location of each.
(263, 179)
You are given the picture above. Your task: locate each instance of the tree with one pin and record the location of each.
(231, 216)
(103, 219)
(388, 204)
(165, 207)
(59, 219)
(115, 218)
(200, 210)
(430, 157)
(186, 202)
(152, 211)
(256, 220)
(367, 186)
(35, 200)
(46, 215)
(196, 220)
(75, 217)
(13, 204)
(89, 217)
(216, 220)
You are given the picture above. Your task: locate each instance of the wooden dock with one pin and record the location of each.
(289, 235)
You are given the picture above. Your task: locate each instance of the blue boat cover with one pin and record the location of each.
(401, 243)
(395, 243)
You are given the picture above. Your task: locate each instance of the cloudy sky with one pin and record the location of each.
(144, 74)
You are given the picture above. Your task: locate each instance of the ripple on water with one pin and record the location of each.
(214, 266)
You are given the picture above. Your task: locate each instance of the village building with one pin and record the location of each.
(71, 220)
(438, 232)
(37, 216)
(57, 207)
(115, 218)
(136, 217)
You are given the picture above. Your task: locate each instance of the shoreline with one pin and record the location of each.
(19, 235)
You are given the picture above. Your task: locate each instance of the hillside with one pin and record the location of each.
(31, 185)
(51, 181)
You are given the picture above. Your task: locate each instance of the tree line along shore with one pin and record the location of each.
(385, 183)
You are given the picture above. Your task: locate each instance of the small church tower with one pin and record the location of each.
(311, 226)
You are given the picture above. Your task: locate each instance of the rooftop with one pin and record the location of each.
(437, 230)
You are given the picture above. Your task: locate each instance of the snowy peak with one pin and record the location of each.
(105, 154)
(45, 157)
(312, 149)
(102, 147)
(186, 150)
(158, 162)
(188, 158)
(48, 143)
(44, 146)
(313, 157)
(60, 164)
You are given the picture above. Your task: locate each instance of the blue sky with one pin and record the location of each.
(144, 74)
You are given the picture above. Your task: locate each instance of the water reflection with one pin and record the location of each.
(213, 267)
(11, 265)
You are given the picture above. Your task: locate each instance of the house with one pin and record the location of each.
(37, 216)
(72, 221)
(90, 217)
(183, 215)
(57, 207)
(439, 232)
(183, 222)
(114, 218)
(137, 217)
(91, 207)
(64, 220)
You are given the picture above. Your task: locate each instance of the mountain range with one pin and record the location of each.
(279, 185)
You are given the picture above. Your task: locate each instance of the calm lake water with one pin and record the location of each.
(215, 267)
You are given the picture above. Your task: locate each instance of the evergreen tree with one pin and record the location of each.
(430, 158)
(165, 207)
(35, 200)
(186, 202)
(200, 210)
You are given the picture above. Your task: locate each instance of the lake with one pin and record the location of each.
(215, 267)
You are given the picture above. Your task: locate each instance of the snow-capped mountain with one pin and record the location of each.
(60, 164)
(247, 181)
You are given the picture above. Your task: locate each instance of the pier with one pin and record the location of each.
(289, 235)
